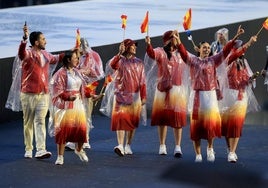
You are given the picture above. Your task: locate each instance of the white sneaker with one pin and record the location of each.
(86, 146)
(43, 154)
(177, 152)
(162, 149)
(210, 155)
(119, 150)
(70, 146)
(59, 160)
(28, 154)
(128, 150)
(232, 157)
(198, 158)
(82, 155)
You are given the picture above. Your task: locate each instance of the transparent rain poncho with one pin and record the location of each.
(13, 101)
(127, 90)
(90, 63)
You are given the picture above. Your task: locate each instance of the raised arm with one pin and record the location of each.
(228, 47)
(241, 50)
(149, 48)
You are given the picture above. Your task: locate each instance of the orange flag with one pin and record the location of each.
(144, 24)
(77, 41)
(265, 24)
(90, 89)
(187, 20)
(124, 21)
(108, 79)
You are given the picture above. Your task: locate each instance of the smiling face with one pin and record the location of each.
(73, 61)
(204, 50)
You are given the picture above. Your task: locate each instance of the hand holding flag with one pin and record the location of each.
(187, 24)
(77, 40)
(108, 79)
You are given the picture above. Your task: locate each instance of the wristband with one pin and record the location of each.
(24, 38)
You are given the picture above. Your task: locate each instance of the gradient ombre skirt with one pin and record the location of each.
(233, 118)
(208, 123)
(70, 124)
(170, 108)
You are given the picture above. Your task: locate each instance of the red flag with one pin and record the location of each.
(108, 79)
(124, 21)
(265, 24)
(144, 24)
(77, 41)
(187, 19)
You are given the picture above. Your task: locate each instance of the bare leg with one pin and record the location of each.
(233, 143)
(177, 135)
(197, 147)
(210, 143)
(210, 151)
(79, 146)
(120, 137)
(162, 133)
(119, 150)
(61, 148)
(129, 136)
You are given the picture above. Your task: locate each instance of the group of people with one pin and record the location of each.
(213, 87)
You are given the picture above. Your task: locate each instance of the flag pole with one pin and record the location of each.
(259, 31)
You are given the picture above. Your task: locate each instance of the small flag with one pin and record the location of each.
(144, 24)
(187, 20)
(108, 79)
(124, 21)
(265, 24)
(91, 88)
(77, 41)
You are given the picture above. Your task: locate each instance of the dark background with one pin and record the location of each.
(19, 3)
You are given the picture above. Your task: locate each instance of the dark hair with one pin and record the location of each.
(67, 57)
(34, 36)
(199, 45)
(167, 50)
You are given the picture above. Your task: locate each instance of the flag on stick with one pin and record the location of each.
(124, 21)
(187, 20)
(108, 79)
(264, 25)
(145, 23)
(187, 24)
(124, 24)
(77, 41)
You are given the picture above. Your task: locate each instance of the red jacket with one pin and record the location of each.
(35, 69)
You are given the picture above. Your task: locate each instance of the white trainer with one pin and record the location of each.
(198, 158)
(177, 152)
(82, 155)
(43, 154)
(86, 146)
(119, 150)
(70, 146)
(28, 154)
(128, 150)
(210, 155)
(59, 160)
(162, 149)
(232, 158)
